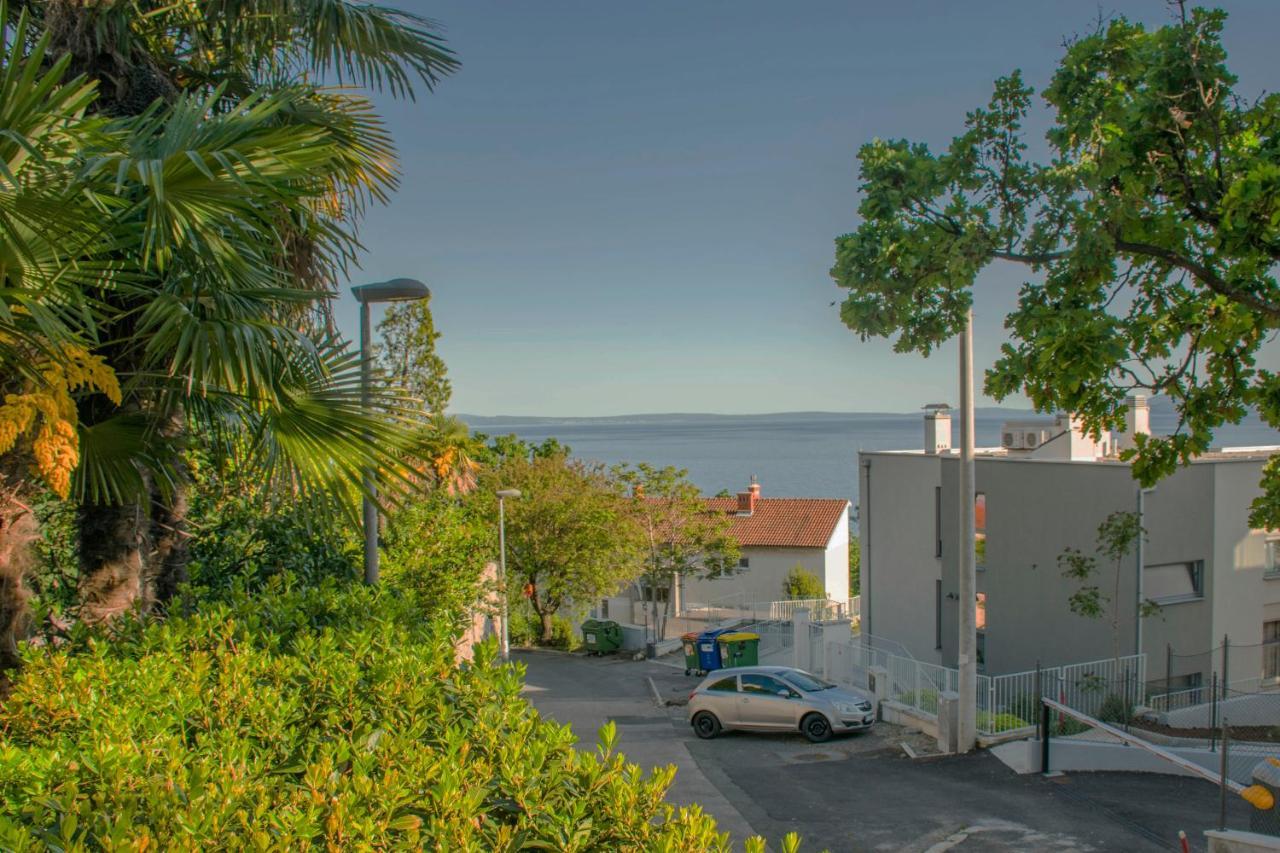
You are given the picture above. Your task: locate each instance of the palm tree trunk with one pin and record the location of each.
(115, 548)
(167, 568)
(17, 529)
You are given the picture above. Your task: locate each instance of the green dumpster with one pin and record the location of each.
(690, 643)
(601, 636)
(739, 648)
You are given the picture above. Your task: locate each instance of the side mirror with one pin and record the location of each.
(785, 694)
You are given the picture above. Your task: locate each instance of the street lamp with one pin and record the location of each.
(395, 290)
(503, 494)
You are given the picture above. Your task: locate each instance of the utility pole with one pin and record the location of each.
(967, 659)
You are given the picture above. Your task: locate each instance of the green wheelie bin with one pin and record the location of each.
(601, 636)
(690, 643)
(739, 648)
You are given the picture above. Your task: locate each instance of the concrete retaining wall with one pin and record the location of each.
(1070, 754)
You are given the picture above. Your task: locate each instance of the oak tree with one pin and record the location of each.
(1150, 234)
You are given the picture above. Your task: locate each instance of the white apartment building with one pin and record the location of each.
(1046, 489)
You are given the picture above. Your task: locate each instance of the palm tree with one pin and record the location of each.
(231, 184)
(451, 454)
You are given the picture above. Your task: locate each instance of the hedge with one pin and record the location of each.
(329, 716)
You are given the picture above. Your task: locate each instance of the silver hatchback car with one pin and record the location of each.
(777, 699)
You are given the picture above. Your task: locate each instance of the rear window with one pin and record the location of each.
(726, 685)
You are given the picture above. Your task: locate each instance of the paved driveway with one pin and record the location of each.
(863, 792)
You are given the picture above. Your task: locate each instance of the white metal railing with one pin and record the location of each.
(1008, 703)
(737, 607)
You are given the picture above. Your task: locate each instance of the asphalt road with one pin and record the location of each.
(862, 792)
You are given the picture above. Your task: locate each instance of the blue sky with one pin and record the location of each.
(631, 207)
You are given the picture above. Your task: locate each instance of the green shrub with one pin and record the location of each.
(330, 716)
(928, 700)
(1115, 709)
(525, 629)
(1000, 722)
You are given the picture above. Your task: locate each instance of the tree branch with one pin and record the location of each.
(1203, 274)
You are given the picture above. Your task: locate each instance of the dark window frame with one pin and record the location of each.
(937, 521)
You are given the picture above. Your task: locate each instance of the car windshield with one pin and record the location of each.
(808, 683)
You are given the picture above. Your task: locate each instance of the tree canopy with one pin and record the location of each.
(1151, 232)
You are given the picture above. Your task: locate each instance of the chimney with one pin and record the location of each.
(1137, 421)
(937, 428)
(747, 500)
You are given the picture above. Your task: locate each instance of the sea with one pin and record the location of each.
(791, 454)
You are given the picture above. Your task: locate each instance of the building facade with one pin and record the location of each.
(1205, 574)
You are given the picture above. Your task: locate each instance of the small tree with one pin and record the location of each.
(1117, 536)
(855, 566)
(801, 584)
(407, 354)
(570, 536)
(681, 535)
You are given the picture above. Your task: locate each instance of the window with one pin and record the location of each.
(1271, 555)
(604, 608)
(1271, 651)
(980, 529)
(763, 685)
(725, 685)
(662, 593)
(744, 563)
(937, 521)
(937, 614)
(980, 614)
(1174, 582)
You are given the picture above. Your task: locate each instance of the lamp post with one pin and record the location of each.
(503, 494)
(395, 290)
(967, 657)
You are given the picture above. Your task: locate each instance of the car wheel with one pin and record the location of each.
(705, 725)
(816, 728)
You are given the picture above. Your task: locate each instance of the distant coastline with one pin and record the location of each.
(703, 417)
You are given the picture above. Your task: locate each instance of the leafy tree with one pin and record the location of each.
(802, 585)
(1117, 537)
(855, 565)
(680, 535)
(407, 355)
(1150, 233)
(569, 535)
(437, 549)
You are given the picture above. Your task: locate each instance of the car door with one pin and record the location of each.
(761, 707)
(721, 699)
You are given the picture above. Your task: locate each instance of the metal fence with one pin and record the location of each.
(736, 606)
(1008, 703)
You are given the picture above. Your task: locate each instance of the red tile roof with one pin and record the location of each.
(783, 522)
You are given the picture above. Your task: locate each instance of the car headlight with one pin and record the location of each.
(850, 708)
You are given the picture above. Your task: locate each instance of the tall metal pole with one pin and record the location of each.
(967, 660)
(370, 487)
(502, 576)
(1137, 613)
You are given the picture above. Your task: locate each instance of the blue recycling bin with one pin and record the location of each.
(709, 650)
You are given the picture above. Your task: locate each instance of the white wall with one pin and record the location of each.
(836, 561)
(762, 579)
(900, 567)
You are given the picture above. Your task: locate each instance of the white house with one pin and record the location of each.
(773, 535)
(1046, 489)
